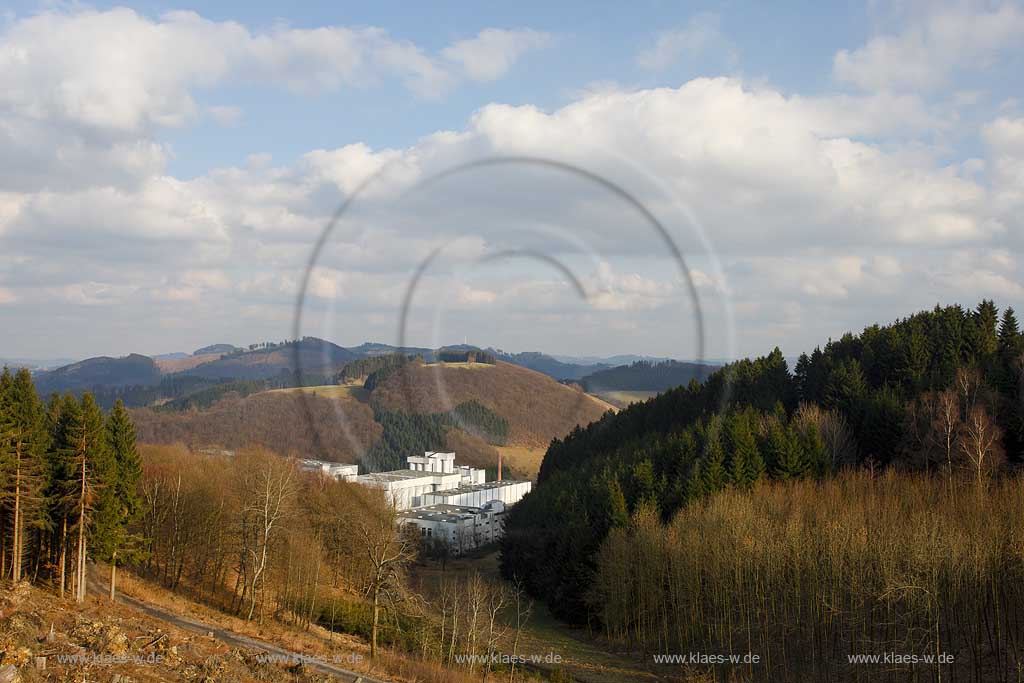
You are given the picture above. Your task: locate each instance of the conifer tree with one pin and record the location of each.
(790, 462)
(985, 339)
(64, 415)
(745, 466)
(695, 482)
(24, 445)
(618, 512)
(714, 473)
(87, 462)
(118, 503)
(1011, 343)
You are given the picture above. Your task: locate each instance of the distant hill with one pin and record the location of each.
(645, 375)
(216, 348)
(176, 355)
(102, 371)
(378, 349)
(536, 407)
(611, 361)
(548, 365)
(315, 357)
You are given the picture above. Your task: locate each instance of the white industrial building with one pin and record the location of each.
(479, 495)
(459, 528)
(338, 470)
(426, 474)
(448, 503)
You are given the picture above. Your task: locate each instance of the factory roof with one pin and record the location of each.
(486, 486)
(399, 475)
(441, 513)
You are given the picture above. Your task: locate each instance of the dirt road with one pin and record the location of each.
(232, 638)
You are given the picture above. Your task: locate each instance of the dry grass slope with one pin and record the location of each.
(275, 420)
(537, 407)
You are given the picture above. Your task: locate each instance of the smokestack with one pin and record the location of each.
(499, 464)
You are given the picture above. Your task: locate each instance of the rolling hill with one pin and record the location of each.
(276, 420)
(130, 370)
(315, 357)
(645, 375)
(536, 407)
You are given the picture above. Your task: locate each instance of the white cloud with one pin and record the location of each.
(702, 33)
(923, 56)
(491, 54)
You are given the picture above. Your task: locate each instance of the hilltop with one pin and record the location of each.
(537, 408)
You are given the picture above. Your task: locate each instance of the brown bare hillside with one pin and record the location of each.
(171, 365)
(537, 407)
(274, 420)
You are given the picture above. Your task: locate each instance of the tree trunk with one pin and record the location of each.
(80, 580)
(16, 531)
(63, 555)
(113, 575)
(376, 621)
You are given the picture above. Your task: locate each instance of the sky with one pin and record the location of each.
(673, 179)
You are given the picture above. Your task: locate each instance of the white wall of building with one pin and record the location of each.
(507, 492)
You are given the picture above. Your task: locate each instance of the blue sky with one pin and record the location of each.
(165, 169)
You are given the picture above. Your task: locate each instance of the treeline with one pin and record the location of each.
(408, 433)
(465, 356)
(644, 375)
(937, 392)
(378, 368)
(69, 480)
(204, 398)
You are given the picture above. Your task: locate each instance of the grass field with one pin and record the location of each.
(621, 399)
(470, 366)
(352, 390)
(523, 458)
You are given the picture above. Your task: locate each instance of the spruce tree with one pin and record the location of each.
(24, 445)
(90, 466)
(790, 460)
(618, 512)
(745, 465)
(695, 482)
(1011, 343)
(715, 475)
(985, 340)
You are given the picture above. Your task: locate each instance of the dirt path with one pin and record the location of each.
(232, 638)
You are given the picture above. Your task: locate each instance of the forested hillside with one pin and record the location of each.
(938, 392)
(644, 375)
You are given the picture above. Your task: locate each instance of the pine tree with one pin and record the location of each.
(695, 482)
(618, 512)
(985, 340)
(1011, 343)
(815, 455)
(24, 446)
(90, 464)
(716, 477)
(64, 415)
(745, 465)
(790, 460)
